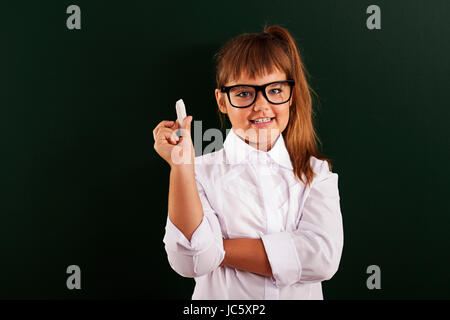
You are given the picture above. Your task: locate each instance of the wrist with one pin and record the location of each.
(182, 168)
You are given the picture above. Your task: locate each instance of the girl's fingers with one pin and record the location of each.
(167, 123)
(167, 134)
(162, 124)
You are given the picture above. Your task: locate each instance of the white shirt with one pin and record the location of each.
(248, 193)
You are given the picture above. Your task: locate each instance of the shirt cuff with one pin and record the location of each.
(201, 239)
(282, 254)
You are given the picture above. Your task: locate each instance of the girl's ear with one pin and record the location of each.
(220, 101)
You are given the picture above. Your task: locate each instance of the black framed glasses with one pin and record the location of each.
(244, 95)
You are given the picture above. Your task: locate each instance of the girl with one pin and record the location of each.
(260, 218)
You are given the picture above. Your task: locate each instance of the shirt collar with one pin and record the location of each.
(237, 150)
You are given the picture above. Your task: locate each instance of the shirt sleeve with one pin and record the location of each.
(312, 252)
(204, 252)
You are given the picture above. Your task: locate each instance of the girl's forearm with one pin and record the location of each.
(186, 213)
(248, 255)
(185, 207)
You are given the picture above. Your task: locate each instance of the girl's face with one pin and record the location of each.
(259, 136)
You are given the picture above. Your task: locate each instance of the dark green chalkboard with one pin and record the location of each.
(81, 183)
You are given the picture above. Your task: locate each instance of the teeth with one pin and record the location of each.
(262, 120)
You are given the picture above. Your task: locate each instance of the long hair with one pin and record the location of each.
(258, 54)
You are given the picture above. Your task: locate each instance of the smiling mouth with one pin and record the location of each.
(262, 120)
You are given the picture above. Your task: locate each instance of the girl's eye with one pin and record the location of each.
(279, 90)
(243, 94)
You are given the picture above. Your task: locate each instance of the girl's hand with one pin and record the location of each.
(176, 151)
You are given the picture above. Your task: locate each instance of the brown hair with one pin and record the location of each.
(258, 54)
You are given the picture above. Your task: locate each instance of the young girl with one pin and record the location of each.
(260, 218)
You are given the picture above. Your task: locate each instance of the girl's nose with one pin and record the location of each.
(260, 103)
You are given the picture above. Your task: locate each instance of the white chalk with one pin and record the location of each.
(181, 111)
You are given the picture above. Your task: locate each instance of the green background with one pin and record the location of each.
(81, 183)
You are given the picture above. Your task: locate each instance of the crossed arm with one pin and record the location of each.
(316, 243)
(246, 254)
